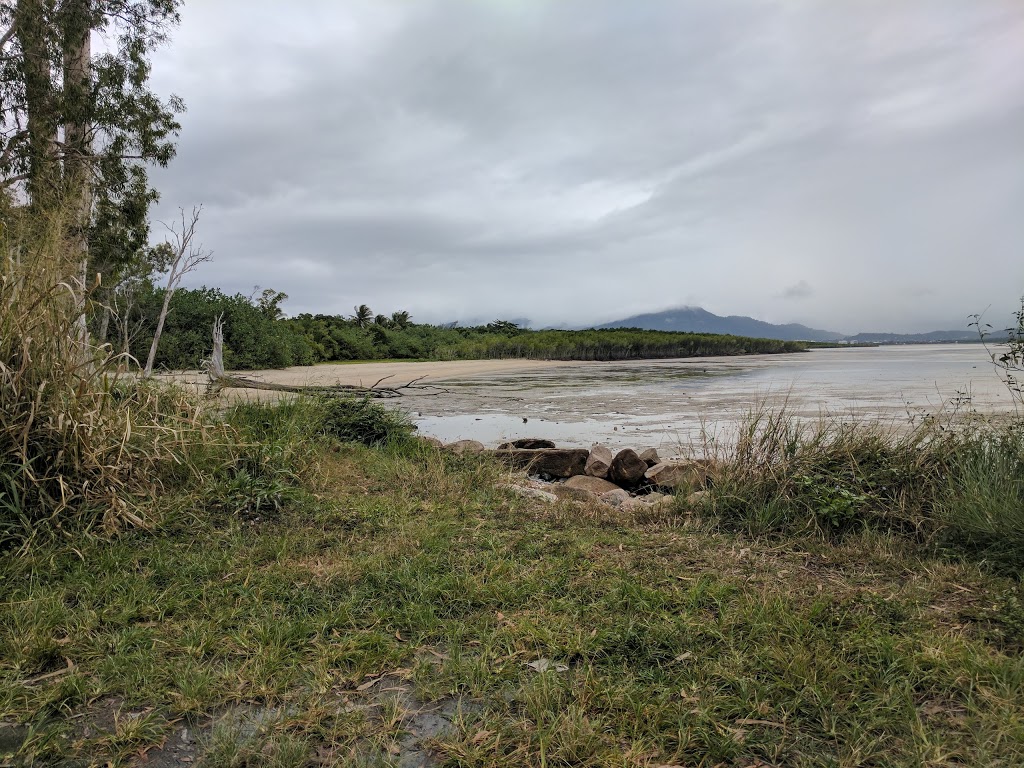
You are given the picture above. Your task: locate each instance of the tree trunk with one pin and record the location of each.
(77, 50)
(156, 336)
(104, 325)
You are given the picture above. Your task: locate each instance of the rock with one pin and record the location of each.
(531, 493)
(647, 504)
(554, 462)
(678, 473)
(634, 504)
(433, 442)
(562, 491)
(466, 446)
(594, 485)
(649, 456)
(599, 461)
(615, 498)
(627, 468)
(527, 443)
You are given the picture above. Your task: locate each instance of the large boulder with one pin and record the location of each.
(649, 456)
(433, 442)
(679, 473)
(529, 443)
(627, 468)
(466, 446)
(554, 462)
(594, 485)
(599, 461)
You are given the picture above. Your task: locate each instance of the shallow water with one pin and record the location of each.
(670, 404)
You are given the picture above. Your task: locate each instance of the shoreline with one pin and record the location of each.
(396, 373)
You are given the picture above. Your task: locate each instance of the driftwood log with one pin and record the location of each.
(219, 379)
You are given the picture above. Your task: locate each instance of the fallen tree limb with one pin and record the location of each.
(219, 379)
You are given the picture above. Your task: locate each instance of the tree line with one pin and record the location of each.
(257, 334)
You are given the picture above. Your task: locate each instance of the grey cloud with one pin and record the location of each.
(799, 290)
(582, 160)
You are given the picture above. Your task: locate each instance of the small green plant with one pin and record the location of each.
(829, 502)
(361, 420)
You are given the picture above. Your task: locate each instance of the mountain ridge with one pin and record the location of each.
(699, 320)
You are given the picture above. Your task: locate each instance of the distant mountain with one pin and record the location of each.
(697, 320)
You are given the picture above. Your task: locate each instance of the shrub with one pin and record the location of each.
(361, 420)
(830, 476)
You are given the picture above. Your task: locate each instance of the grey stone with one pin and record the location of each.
(635, 504)
(649, 456)
(594, 485)
(679, 473)
(466, 446)
(627, 469)
(615, 498)
(554, 462)
(599, 461)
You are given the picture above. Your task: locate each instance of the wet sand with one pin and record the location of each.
(673, 404)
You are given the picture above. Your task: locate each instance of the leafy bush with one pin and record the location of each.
(253, 336)
(361, 420)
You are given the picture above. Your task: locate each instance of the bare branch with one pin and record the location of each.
(186, 257)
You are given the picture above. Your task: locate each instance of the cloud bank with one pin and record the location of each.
(851, 165)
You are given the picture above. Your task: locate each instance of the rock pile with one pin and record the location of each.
(627, 477)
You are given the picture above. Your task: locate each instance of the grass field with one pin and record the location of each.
(389, 614)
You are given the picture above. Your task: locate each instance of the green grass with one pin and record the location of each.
(685, 642)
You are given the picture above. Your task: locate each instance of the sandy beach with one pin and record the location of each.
(393, 373)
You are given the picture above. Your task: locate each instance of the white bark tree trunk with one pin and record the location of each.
(159, 330)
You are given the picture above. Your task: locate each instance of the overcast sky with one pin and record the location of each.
(855, 165)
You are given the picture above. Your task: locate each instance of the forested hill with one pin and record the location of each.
(257, 335)
(697, 320)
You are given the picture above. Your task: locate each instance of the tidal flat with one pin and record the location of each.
(672, 404)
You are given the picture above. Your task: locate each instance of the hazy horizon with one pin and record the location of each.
(852, 166)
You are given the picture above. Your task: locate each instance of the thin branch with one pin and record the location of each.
(8, 35)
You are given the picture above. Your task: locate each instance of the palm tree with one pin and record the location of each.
(363, 315)
(400, 319)
(382, 320)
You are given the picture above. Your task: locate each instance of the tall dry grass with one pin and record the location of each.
(83, 443)
(955, 481)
